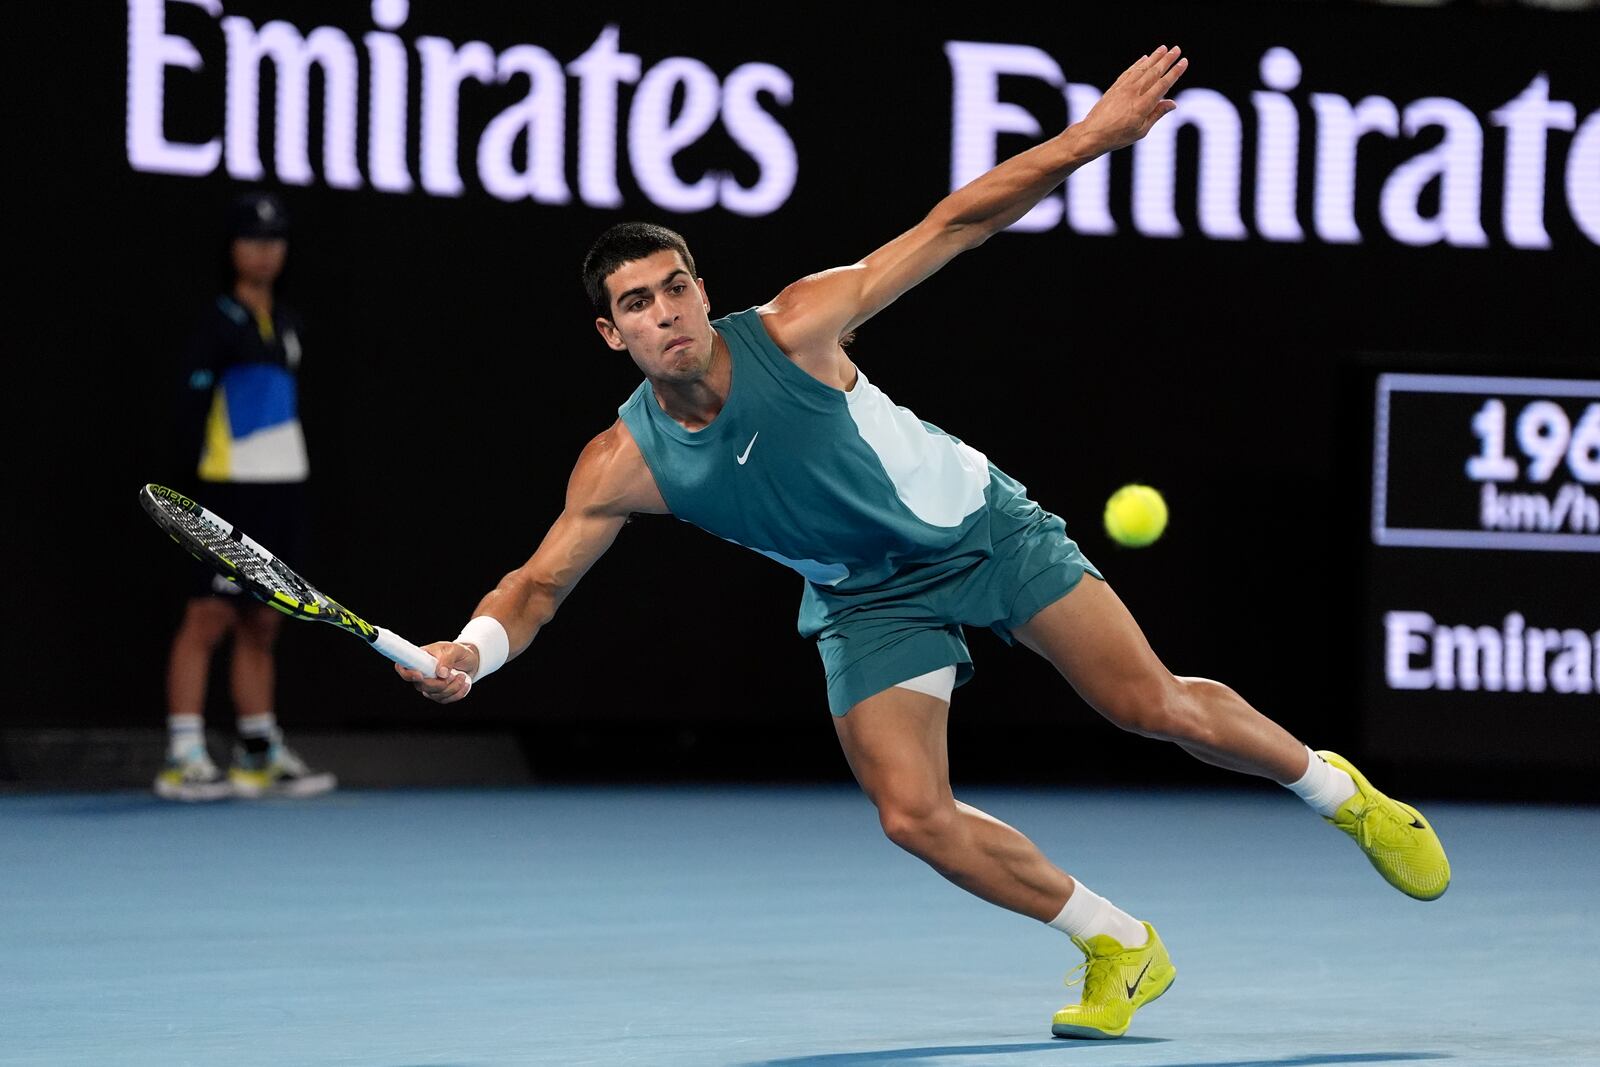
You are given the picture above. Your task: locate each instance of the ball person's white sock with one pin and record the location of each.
(261, 725)
(185, 733)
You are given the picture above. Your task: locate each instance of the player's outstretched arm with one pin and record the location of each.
(609, 483)
(808, 318)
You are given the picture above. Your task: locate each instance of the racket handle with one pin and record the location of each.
(404, 652)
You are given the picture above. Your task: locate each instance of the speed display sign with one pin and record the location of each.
(1487, 463)
(1482, 618)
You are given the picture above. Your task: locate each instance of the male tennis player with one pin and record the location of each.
(758, 428)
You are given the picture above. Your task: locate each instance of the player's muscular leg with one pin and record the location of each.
(895, 743)
(1097, 646)
(253, 673)
(206, 621)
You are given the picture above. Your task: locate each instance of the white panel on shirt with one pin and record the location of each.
(941, 480)
(274, 454)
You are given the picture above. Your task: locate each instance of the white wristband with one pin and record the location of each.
(486, 635)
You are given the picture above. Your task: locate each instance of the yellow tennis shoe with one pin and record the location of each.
(1395, 837)
(1117, 982)
(268, 767)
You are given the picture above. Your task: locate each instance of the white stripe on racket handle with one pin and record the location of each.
(406, 654)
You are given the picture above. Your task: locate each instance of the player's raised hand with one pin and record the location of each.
(453, 679)
(1135, 101)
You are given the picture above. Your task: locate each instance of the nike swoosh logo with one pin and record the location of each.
(1418, 824)
(747, 449)
(1134, 988)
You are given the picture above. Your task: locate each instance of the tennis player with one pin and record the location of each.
(758, 428)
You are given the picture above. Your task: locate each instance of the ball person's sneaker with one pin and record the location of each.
(1395, 837)
(192, 776)
(268, 767)
(1117, 982)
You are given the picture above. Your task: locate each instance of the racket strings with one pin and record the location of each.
(266, 571)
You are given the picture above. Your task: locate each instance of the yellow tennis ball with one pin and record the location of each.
(1135, 516)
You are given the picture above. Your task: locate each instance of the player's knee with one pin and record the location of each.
(917, 824)
(1172, 710)
(1155, 707)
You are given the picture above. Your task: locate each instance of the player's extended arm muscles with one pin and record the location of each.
(808, 318)
(609, 483)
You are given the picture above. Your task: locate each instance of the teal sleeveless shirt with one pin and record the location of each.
(857, 495)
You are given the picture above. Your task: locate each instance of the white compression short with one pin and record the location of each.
(937, 683)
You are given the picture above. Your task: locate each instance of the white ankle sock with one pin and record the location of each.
(184, 733)
(262, 725)
(1087, 914)
(1323, 786)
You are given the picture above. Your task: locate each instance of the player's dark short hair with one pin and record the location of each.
(624, 243)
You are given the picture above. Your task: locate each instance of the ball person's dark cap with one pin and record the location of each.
(258, 215)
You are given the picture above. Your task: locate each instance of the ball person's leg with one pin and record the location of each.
(206, 621)
(254, 671)
(1090, 637)
(895, 742)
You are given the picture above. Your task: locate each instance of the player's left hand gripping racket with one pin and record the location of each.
(212, 540)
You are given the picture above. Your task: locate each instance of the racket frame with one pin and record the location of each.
(159, 502)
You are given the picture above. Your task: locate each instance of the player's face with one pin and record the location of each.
(259, 260)
(661, 317)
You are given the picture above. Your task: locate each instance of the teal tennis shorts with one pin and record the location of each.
(878, 644)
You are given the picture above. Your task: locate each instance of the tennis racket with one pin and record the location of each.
(212, 540)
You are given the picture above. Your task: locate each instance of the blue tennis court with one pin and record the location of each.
(771, 927)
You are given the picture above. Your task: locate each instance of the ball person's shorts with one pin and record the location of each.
(885, 642)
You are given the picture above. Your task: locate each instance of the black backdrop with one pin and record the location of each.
(453, 372)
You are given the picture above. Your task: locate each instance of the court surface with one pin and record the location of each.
(770, 927)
